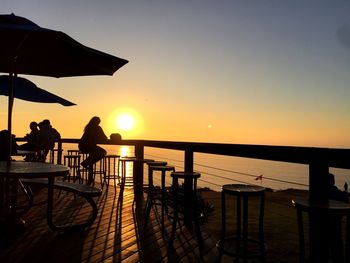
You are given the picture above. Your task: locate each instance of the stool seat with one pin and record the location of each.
(241, 245)
(162, 168)
(157, 163)
(184, 175)
(243, 189)
(144, 160)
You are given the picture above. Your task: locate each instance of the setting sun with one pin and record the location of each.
(125, 122)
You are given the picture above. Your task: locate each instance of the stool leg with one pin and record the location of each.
(196, 220)
(221, 243)
(261, 227)
(163, 200)
(245, 229)
(301, 236)
(114, 172)
(123, 171)
(90, 179)
(238, 211)
(347, 239)
(149, 199)
(175, 219)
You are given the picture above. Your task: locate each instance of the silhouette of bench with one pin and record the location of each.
(85, 191)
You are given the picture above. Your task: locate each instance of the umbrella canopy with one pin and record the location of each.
(26, 48)
(26, 90)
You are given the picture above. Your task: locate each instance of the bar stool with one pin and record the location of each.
(111, 169)
(124, 181)
(53, 153)
(242, 246)
(157, 196)
(73, 162)
(332, 212)
(185, 204)
(99, 168)
(149, 164)
(83, 156)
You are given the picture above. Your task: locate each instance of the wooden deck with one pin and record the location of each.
(119, 235)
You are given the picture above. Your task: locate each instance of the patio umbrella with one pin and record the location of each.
(26, 48)
(24, 89)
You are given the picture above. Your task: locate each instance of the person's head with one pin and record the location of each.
(46, 122)
(33, 125)
(95, 121)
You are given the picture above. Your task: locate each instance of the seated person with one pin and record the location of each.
(93, 134)
(333, 191)
(32, 141)
(5, 145)
(47, 138)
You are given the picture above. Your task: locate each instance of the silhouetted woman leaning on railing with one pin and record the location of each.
(93, 134)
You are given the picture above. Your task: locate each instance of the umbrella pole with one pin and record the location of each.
(10, 107)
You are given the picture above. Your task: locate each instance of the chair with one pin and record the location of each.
(241, 245)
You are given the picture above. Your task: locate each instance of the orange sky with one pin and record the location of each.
(235, 72)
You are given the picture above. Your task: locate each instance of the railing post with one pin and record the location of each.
(318, 192)
(188, 160)
(188, 185)
(59, 152)
(138, 171)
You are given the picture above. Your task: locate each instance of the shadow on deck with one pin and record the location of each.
(118, 234)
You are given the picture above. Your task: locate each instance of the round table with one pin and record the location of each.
(11, 172)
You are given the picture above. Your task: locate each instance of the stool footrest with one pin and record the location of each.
(255, 248)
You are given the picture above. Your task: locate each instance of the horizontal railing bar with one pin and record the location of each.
(331, 157)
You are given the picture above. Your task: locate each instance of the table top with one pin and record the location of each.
(330, 204)
(24, 152)
(31, 169)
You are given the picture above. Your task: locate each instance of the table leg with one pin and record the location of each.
(50, 192)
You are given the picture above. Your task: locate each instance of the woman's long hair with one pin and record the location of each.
(94, 122)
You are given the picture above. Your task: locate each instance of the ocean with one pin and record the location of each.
(217, 170)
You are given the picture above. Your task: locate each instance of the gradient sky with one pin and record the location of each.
(252, 72)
